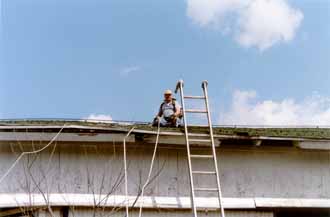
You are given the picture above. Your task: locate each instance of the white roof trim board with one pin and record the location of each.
(118, 137)
(209, 203)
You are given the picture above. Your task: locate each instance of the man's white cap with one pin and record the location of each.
(168, 92)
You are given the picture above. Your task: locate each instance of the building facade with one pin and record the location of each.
(75, 168)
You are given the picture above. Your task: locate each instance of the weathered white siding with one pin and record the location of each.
(85, 212)
(80, 167)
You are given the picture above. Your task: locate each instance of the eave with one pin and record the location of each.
(90, 132)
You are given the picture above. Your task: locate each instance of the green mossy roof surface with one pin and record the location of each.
(292, 132)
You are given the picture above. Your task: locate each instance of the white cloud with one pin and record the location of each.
(99, 118)
(245, 109)
(260, 23)
(127, 70)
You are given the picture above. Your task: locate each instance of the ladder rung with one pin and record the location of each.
(206, 189)
(200, 140)
(196, 111)
(201, 156)
(204, 172)
(198, 125)
(194, 97)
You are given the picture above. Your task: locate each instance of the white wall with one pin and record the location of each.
(245, 172)
(86, 212)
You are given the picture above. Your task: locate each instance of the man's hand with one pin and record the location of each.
(173, 117)
(156, 121)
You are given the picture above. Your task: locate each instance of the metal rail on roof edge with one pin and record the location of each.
(125, 122)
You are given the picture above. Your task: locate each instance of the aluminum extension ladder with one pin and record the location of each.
(193, 173)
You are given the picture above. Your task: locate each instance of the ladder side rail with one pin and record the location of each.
(204, 86)
(192, 198)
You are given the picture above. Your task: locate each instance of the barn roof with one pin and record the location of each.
(240, 132)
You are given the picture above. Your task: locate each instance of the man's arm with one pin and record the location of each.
(160, 111)
(177, 109)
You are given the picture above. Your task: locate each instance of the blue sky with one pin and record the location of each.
(75, 58)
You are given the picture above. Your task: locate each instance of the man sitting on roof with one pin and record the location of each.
(169, 112)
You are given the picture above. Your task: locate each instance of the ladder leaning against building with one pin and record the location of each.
(210, 141)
